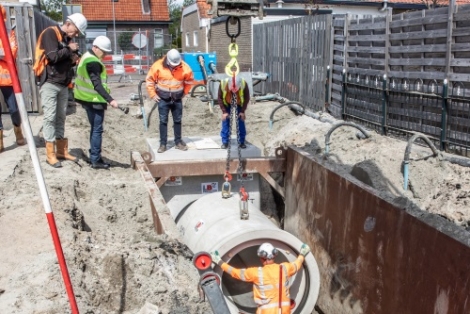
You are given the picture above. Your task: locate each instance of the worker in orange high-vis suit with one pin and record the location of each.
(168, 81)
(268, 283)
(6, 87)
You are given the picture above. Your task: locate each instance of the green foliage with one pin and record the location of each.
(176, 10)
(125, 39)
(53, 8)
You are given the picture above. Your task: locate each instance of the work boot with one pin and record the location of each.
(100, 164)
(19, 136)
(51, 157)
(63, 150)
(181, 146)
(242, 145)
(1, 141)
(161, 149)
(224, 146)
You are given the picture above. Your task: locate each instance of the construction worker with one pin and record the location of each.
(227, 87)
(92, 92)
(55, 56)
(168, 81)
(6, 86)
(266, 279)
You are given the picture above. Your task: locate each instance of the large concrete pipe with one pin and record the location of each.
(213, 223)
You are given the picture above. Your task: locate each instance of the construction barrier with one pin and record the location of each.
(123, 64)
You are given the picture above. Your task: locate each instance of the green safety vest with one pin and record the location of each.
(83, 89)
(240, 92)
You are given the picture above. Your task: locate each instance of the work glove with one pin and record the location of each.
(304, 249)
(216, 257)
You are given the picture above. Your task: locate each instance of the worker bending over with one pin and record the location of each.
(268, 284)
(229, 86)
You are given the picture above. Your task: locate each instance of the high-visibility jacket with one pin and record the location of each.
(169, 83)
(5, 77)
(227, 93)
(266, 284)
(41, 61)
(84, 89)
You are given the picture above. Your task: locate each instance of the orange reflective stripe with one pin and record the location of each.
(40, 55)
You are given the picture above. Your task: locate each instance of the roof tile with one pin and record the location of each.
(124, 10)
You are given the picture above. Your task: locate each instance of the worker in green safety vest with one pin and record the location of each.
(92, 92)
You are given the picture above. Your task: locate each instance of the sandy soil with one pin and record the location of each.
(116, 262)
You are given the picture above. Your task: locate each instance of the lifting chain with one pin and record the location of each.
(232, 65)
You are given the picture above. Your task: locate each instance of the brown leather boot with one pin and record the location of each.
(19, 136)
(51, 158)
(1, 141)
(63, 150)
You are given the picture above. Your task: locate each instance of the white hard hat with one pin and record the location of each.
(267, 251)
(173, 57)
(79, 21)
(103, 43)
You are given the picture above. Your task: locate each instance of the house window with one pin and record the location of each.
(91, 34)
(195, 39)
(145, 7)
(158, 38)
(187, 40)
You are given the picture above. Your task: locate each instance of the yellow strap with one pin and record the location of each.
(233, 63)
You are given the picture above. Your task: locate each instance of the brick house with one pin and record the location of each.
(151, 17)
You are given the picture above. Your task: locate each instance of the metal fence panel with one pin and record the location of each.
(295, 53)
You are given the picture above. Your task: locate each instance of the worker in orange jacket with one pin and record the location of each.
(168, 81)
(6, 86)
(267, 281)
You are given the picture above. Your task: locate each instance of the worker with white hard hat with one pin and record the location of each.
(92, 92)
(56, 54)
(270, 281)
(168, 81)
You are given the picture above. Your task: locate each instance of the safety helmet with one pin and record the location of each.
(79, 21)
(235, 84)
(267, 251)
(103, 43)
(173, 57)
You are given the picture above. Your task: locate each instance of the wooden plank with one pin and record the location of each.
(418, 48)
(461, 31)
(417, 75)
(419, 21)
(419, 35)
(417, 61)
(361, 49)
(459, 77)
(367, 38)
(460, 47)
(464, 16)
(367, 26)
(460, 62)
(366, 61)
(338, 48)
(365, 71)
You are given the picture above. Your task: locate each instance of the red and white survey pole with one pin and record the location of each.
(37, 166)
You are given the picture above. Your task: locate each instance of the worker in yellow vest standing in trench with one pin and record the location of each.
(271, 281)
(6, 86)
(229, 86)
